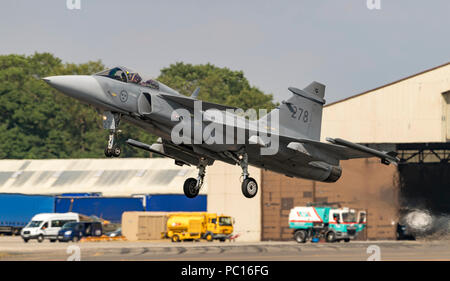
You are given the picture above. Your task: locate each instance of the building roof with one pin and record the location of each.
(389, 84)
(111, 177)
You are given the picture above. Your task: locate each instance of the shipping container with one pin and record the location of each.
(107, 208)
(144, 225)
(16, 210)
(175, 203)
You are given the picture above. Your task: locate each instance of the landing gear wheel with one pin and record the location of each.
(249, 187)
(331, 237)
(116, 151)
(190, 188)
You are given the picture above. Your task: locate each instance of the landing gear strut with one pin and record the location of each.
(111, 122)
(192, 186)
(249, 185)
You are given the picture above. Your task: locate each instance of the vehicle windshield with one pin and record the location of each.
(225, 221)
(349, 217)
(69, 225)
(34, 224)
(127, 75)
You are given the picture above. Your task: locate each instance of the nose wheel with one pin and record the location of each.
(114, 152)
(111, 121)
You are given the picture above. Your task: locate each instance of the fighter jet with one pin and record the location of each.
(292, 129)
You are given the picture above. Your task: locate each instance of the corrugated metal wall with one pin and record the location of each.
(410, 110)
(365, 184)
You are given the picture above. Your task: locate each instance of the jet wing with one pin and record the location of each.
(343, 150)
(189, 102)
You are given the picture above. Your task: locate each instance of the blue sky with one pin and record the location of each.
(277, 44)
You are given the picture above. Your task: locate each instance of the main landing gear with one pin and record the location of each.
(192, 186)
(249, 186)
(111, 122)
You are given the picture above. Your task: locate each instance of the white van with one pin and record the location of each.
(47, 226)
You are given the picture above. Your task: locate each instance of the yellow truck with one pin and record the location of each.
(198, 225)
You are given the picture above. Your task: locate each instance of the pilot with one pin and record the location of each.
(134, 78)
(114, 74)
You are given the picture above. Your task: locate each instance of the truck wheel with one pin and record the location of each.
(209, 237)
(346, 240)
(249, 187)
(300, 236)
(25, 240)
(40, 238)
(331, 237)
(176, 238)
(52, 240)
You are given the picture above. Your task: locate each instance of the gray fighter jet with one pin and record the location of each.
(292, 130)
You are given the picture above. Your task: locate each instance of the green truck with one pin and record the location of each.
(333, 224)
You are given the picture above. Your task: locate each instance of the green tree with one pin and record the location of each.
(218, 85)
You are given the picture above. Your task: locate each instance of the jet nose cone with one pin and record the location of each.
(81, 87)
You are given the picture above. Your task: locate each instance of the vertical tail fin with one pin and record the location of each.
(301, 115)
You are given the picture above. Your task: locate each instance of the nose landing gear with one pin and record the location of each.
(111, 121)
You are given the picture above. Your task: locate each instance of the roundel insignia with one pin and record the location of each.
(123, 96)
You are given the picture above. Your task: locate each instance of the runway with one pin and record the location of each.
(13, 248)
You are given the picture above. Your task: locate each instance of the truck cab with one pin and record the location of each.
(218, 227)
(342, 225)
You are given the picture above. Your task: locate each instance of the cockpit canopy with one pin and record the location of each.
(127, 75)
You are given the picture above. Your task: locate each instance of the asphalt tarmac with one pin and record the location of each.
(14, 249)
